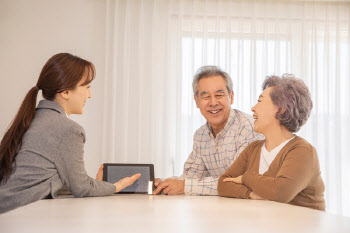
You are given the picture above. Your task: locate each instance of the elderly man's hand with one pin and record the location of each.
(170, 187)
(157, 181)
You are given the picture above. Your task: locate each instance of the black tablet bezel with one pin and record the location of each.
(151, 166)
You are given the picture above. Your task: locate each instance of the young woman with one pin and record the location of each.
(283, 167)
(43, 149)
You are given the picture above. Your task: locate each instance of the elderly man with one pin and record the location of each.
(218, 142)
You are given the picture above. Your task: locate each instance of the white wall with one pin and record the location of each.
(30, 33)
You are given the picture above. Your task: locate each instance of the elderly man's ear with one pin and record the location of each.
(232, 97)
(195, 99)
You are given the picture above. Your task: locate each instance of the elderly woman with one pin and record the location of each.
(283, 167)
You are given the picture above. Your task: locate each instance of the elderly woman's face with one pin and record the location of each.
(264, 113)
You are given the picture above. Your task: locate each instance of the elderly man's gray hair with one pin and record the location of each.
(210, 71)
(293, 99)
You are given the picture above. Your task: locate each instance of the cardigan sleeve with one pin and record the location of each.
(70, 166)
(239, 166)
(292, 177)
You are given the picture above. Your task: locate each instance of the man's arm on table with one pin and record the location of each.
(194, 181)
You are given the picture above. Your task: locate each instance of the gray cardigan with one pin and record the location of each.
(51, 156)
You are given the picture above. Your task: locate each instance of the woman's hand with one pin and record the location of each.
(254, 196)
(125, 182)
(99, 173)
(237, 180)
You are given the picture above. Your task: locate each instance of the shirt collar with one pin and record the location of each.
(228, 124)
(48, 104)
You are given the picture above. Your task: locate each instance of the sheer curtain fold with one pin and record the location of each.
(139, 107)
(153, 48)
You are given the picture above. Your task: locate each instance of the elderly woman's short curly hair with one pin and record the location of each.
(292, 97)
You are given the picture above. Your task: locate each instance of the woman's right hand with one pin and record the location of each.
(125, 182)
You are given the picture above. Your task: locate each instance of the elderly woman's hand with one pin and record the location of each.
(237, 180)
(254, 196)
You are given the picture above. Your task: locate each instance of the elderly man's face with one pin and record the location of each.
(214, 101)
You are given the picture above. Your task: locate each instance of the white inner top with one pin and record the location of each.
(266, 157)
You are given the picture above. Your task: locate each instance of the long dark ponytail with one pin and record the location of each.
(61, 72)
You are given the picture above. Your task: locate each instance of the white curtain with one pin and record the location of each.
(153, 48)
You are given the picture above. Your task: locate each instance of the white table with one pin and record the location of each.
(147, 213)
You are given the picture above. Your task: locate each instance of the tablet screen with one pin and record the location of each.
(115, 172)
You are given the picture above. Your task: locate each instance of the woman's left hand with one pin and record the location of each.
(99, 173)
(254, 196)
(237, 180)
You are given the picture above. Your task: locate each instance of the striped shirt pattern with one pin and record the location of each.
(212, 156)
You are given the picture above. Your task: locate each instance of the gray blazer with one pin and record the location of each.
(51, 156)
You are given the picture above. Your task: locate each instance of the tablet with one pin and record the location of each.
(113, 172)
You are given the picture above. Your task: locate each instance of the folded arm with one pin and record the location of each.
(231, 189)
(293, 176)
